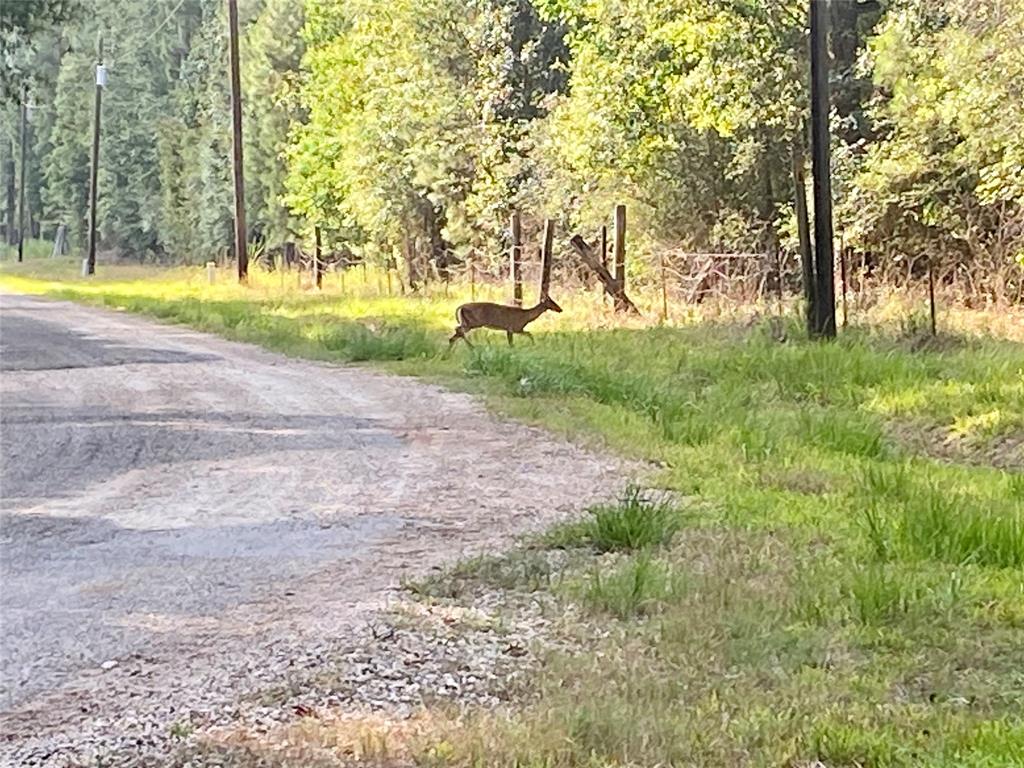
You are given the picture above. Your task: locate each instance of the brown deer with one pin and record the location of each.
(511, 320)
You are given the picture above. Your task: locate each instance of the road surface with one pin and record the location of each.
(183, 517)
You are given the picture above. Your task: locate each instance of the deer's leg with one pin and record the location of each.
(509, 337)
(529, 335)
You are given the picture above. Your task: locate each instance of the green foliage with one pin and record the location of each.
(24, 29)
(271, 83)
(419, 145)
(945, 174)
(639, 585)
(906, 517)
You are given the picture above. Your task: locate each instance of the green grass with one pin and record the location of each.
(843, 583)
(637, 586)
(635, 522)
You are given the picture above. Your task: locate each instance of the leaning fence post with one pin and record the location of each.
(515, 265)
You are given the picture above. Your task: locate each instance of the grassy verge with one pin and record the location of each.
(844, 582)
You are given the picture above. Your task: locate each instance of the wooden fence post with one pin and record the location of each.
(664, 290)
(515, 266)
(620, 246)
(318, 275)
(843, 277)
(931, 292)
(472, 277)
(545, 258)
(604, 255)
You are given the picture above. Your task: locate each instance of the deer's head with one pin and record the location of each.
(548, 303)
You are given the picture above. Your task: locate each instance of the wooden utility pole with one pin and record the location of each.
(545, 258)
(21, 182)
(620, 246)
(824, 295)
(101, 81)
(241, 252)
(318, 265)
(515, 267)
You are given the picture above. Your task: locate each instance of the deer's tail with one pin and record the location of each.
(458, 316)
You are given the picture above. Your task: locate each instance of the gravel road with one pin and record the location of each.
(183, 519)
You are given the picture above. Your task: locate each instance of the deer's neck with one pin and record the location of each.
(534, 312)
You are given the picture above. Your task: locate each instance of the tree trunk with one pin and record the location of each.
(412, 267)
(434, 221)
(803, 227)
(10, 189)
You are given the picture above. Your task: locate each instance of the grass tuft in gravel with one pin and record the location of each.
(634, 522)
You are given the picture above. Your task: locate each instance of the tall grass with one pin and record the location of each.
(911, 516)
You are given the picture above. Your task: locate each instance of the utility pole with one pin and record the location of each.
(824, 295)
(101, 81)
(21, 182)
(236, 144)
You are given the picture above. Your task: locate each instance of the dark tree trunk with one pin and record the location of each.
(803, 227)
(10, 192)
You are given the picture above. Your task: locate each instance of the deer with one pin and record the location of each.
(500, 317)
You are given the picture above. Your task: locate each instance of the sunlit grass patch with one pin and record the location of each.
(908, 514)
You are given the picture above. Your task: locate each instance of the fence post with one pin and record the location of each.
(604, 255)
(664, 290)
(842, 276)
(931, 292)
(545, 258)
(515, 267)
(620, 246)
(318, 275)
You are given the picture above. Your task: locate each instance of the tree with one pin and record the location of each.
(22, 26)
(271, 82)
(944, 177)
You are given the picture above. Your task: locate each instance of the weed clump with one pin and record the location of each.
(635, 522)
